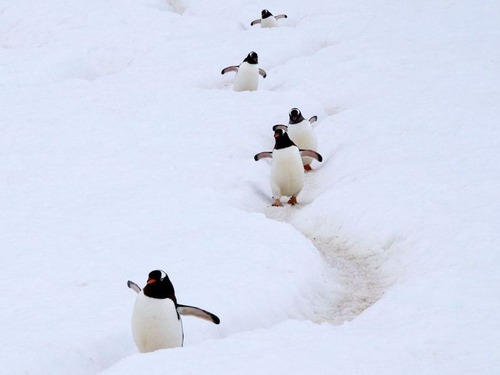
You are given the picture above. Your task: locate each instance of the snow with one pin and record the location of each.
(124, 150)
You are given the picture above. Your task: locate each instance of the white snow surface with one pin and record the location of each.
(123, 150)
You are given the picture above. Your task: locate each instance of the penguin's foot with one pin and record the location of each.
(277, 203)
(307, 167)
(292, 200)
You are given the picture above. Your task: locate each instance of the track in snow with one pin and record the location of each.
(360, 276)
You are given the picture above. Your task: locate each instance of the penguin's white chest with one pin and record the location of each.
(155, 324)
(247, 77)
(303, 135)
(287, 172)
(268, 22)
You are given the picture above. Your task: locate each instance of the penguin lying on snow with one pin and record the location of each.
(287, 172)
(247, 73)
(302, 134)
(156, 320)
(267, 19)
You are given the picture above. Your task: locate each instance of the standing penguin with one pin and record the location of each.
(156, 320)
(267, 19)
(302, 134)
(287, 172)
(247, 73)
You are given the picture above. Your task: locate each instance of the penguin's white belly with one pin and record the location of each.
(287, 173)
(155, 324)
(303, 136)
(247, 77)
(268, 22)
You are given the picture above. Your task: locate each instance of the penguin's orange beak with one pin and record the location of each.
(151, 281)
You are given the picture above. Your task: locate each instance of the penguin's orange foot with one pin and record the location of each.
(292, 200)
(277, 203)
(307, 167)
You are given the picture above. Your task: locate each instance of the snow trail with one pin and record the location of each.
(360, 274)
(361, 278)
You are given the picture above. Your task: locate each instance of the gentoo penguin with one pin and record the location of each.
(287, 172)
(302, 134)
(247, 73)
(267, 19)
(156, 320)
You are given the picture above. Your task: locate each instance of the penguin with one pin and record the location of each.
(287, 172)
(267, 19)
(247, 73)
(156, 318)
(302, 134)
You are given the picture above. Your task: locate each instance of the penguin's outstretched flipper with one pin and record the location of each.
(263, 73)
(312, 154)
(136, 288)
(313, 119)
(255, 22)
(262, 155)
(233, 68)
(199, 313)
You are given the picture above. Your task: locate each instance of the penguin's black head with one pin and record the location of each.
(265, 13)
(278, 133)
(281, 137)
(156, 275)
(252, 58)
(280, 129)
(159, 286)
(295, 116)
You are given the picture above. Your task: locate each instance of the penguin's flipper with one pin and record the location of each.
(229, 69)
(280, 16)
(262, 155)
(136, 288)
(312, 154)
(262, 72)
(313, 119)
(199, 313)
(255, 22)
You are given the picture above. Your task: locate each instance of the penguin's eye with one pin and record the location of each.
(162, 275)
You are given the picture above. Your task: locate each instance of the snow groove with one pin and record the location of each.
(360, 275)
